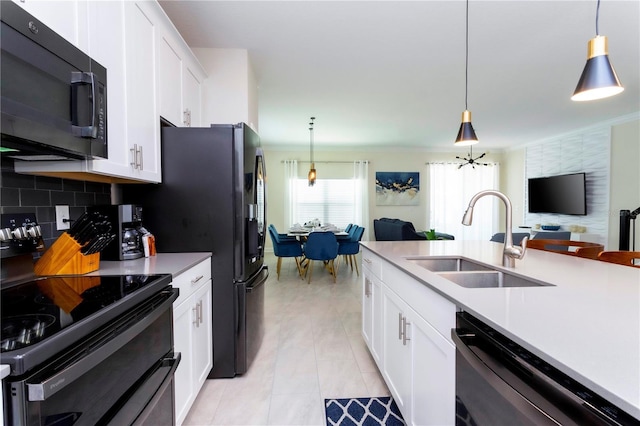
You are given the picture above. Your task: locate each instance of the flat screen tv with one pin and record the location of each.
(563, 194)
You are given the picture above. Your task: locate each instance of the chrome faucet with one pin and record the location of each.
(510, 252)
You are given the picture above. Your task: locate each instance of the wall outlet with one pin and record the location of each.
(62, 213)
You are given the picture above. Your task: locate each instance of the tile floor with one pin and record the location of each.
(312, 350)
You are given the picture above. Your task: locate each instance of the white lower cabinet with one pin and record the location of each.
(396, 368)
(416, 360)
(192, 335)
(372, 314)
(433, 366)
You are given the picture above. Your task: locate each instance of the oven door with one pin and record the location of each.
(120, 371)
(53, 95)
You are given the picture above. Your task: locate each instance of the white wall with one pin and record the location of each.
(230, 93)
(390, 160)
(624, 179)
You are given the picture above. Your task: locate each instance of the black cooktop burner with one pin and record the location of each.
(36, 310)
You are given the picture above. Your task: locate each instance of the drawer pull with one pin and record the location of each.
(367, 260)
(196, 279)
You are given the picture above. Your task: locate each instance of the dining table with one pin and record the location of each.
(304, 232)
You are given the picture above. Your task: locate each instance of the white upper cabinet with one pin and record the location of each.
(151, 72)
(170, 75)
(143, 125)
(192, 96)
(180, 80)
(65, 17)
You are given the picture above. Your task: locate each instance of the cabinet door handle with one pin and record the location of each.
(196, 279)
(134, 156)
(187, 117)
(404, 331)
(399, 325)
(195, 316)
(139, 158)
(367, 283)
(201, 316)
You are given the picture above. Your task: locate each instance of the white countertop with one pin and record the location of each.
(162, 263)
(587, 324)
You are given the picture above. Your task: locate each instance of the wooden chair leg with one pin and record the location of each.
(355, 262)
(310, 270)
(334, 268)
(299, 266)
(278, 266)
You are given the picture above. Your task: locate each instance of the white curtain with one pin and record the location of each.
(451, 188)
(290, 193)
(361, 195)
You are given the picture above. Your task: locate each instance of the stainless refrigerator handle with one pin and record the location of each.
(50, 386)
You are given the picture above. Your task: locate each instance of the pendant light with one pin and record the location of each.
(599, 79)
(312, 170)
(466, 134)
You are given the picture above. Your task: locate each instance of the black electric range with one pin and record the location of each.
(43, 316)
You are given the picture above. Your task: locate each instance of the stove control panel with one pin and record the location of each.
(19, 234)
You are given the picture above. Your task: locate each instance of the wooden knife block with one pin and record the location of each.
(64, 258)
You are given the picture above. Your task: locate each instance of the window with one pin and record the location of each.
(450, 190)
(329, 200)
(339, 201)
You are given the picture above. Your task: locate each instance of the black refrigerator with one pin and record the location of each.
(213, 198)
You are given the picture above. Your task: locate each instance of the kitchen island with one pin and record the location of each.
(586, 323)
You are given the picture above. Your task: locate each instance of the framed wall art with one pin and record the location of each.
(397, 188)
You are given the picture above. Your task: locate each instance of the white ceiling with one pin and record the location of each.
(392, 73)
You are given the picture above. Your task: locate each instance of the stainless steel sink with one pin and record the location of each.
(442, 264)
(490, 279)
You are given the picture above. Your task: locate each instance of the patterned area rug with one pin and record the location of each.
(362, 411)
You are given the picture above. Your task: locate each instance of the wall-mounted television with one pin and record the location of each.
(562, 194)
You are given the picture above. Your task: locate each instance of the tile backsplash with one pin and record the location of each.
(40, 194)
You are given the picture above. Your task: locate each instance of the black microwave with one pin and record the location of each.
(54, 96)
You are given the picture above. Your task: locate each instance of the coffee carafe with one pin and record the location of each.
(126, 220)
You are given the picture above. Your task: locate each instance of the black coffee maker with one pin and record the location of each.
(126, 220)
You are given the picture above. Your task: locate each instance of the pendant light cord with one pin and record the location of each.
(466, 60)
(597, 16)
(311, 139)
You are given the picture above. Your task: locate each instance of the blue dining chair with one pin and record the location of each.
(282, 237)
(321, 246)
(517, 237)
(350, 247)
(285, 248)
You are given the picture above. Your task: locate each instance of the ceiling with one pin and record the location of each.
(392, 73)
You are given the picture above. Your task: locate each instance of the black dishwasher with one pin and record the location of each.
(500, 383)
